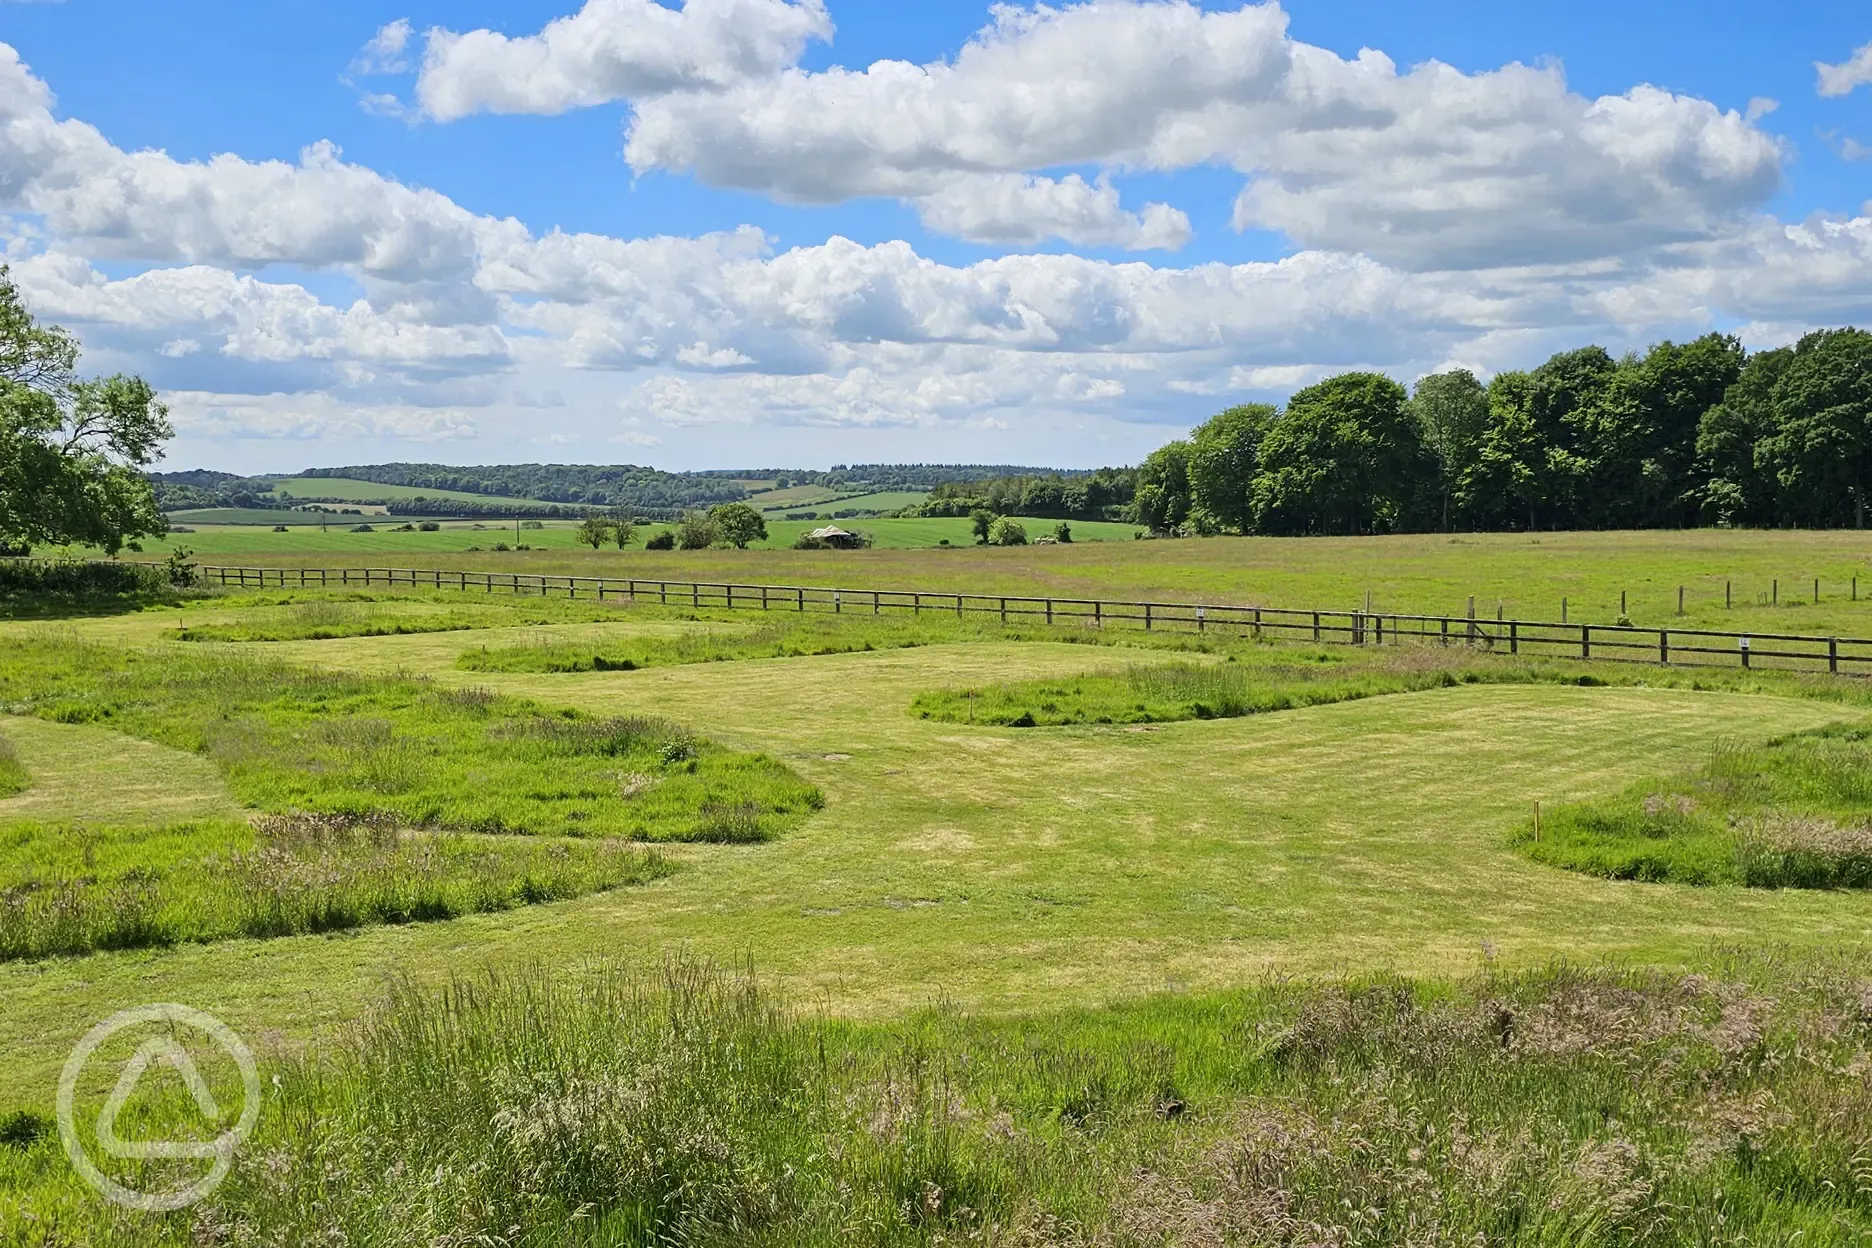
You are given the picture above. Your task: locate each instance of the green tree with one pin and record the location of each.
(697, 531)
(1735, 443)
(1162, 502)
(1452, 411)
(1639, 432)
(1822, 449)
(594, 531)
(981, 522)
(1345, 457)
(1007, 532)
(623, 526)
(1062, 533)
(739, 524)
(71, 451)
(1223, 456)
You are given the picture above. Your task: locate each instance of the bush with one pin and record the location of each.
(362, 528)
(76, 578)
(1006, 532)
(665, 540)
(279, 528)
(1063, 534)
(430, 526)
(696, 531)
(532, 524)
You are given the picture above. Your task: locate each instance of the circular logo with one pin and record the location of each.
(163, 1048)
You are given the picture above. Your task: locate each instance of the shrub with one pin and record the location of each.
(532, 524)
(1063, 534)
(696, 531)
(430, 526)
(279, 528)
(362, 528)
(664, 540)
(1007, 532)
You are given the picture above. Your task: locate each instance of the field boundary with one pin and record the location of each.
(1677, 647)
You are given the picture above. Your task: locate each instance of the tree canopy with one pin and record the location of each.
(1697, 432)
(71, 450)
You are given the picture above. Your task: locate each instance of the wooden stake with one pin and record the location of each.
(1537, 821)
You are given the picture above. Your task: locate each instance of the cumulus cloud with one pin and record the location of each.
(1020, 210)
(1429, 168)
(613, 50)
(1844, 78)
(384, 54)
(310, 416)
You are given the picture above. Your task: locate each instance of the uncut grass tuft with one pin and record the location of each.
(13, 776)
(1794, 812)
(292, 740)
(1563, 1106)
(76, 890)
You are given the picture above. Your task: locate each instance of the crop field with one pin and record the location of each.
(348, 490)
(567, 922)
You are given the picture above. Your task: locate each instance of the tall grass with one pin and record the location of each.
(66, 890)
(293, 739)
(1564, 1107)
(13, 776)
(1795, 812)
(364, 614)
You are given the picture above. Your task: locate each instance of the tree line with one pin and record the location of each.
(1682, 435)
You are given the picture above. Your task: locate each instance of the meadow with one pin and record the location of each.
(1135, 974)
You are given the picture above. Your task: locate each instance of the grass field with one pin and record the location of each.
(888, 500)
(347, 490)
(1040, 975)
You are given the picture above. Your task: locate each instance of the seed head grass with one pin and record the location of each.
(76, 890)
(1562, 1106)
(1794, 812)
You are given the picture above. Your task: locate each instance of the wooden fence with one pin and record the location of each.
(1676, 646)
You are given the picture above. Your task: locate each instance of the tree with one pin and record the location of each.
(1822, 451)
(739, 524)
(981, 521)
(1345, 457)
(1224, 453)
(1007, 532)
(1062, 533)
(697, 531)
(594, 531)
(623, 526)
(1162, 502)
(1733, 445)
(1452, 413)
(71, 451)
(1638, 432)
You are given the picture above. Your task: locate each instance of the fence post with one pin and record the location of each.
(1745, 651)
(1833, 655)
(1680, 600)
(1049, 603)
(1514, 637)
(1004, 610)
(1257, 623)
(1728, 595)
(1585, 641)
(917, 606)
(877, 608)
(1098, 614)
(838, 602)
(1816, 591)
(1775, 601)
(802, 599)
(1202, 619)
(1147, 617)
(1563, 607)
(1316, 628)
(1446, 630)
(1663, 647)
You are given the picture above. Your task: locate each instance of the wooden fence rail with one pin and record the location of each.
(1674, 646)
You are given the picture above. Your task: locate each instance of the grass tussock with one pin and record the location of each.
(1561, 1107)
(72, 890)
(363, 614)
(1795, 812)
(292, 739)
(13, 777)
(727, 637)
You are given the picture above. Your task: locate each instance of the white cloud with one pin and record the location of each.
(311, 416)
(1759, 107)
(1016, 209)
(1427, 168)
(1842, 79)
(384, 54)
(613, 50)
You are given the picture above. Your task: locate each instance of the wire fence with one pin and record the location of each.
(1671, 646)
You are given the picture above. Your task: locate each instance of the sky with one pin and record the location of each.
(793, 233)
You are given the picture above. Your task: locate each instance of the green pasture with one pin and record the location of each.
(1526, 577)
(886, 500)
(994, 868)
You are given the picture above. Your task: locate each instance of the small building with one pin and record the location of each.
(837, 538)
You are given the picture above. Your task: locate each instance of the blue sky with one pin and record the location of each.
(1069, 235)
